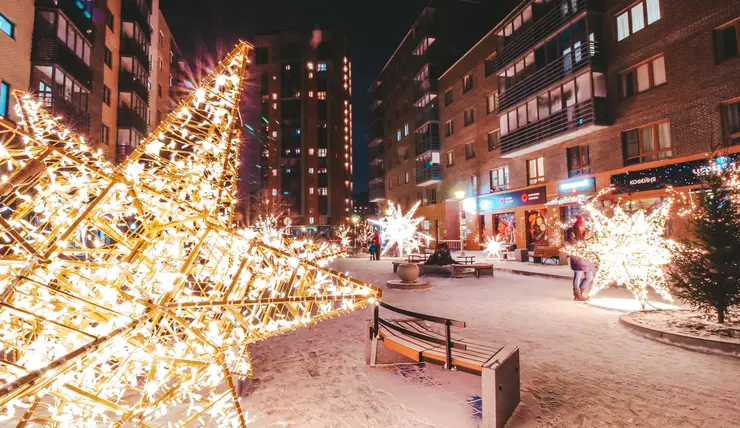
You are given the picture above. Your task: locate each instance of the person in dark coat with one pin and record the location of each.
(441, 256)
(583, 270)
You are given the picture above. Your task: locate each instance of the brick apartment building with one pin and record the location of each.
(404, 130)
(564, 98)
(95, 63)
(305, 116)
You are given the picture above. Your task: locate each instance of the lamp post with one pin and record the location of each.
(460, 195)
(355, 219)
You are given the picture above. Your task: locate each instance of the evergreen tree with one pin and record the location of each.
(705, 271)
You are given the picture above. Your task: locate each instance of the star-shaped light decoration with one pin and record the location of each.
(344, 234)
(400, 229)
(630, 250)
(494, 247)
(127, 296)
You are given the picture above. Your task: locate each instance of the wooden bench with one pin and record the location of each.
(415, 339)
(417, 258)
(543, 254)
(459, 271)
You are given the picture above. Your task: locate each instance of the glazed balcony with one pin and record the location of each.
(429, 175)
(132, 12)
(564, 67)
(127, 82)
(376, 154)
(427, 115)
(570, 122)
(536, 32)
(131, 47)
(376, 133)
(48, 50)
(426, 143)
(128, 118)
(425, 92)
(80, 12)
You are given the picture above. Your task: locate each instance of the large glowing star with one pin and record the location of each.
(127, 297)
(630, 250)
(494, 246)
(398, 229)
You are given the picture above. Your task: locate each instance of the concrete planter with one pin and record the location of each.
(408, 272)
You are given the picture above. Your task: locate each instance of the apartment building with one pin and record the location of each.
(90, 63)
(564, 98)
(305, 82)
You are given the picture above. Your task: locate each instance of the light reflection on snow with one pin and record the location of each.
(627, 304)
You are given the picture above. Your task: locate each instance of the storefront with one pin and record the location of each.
(568, 206)
(517, 217)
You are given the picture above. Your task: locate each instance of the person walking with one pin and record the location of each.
(583, 269)
(376, 243)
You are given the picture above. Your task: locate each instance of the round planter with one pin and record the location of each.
(408, 272)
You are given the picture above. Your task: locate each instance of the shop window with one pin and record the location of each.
(647, 144)
(469, 150)
(499, 178)
(642, 77)
(731, 122)
(536, 170)
(537, 230)
(726, 41)
(578, 161)
(636, 17)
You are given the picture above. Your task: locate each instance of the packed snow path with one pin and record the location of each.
(580, 368)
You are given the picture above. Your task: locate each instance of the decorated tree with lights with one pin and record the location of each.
(705, 270)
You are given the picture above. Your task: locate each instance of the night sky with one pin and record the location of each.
(375, 28)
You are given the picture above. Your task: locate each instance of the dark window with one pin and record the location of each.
(469, 117)
(726, 41)
(731, 121)
(647, 144)
(494, 140)
(449, 128)
(448, 97)
(262, 55)
(111, 21)
(159, 89)
(467, 83)
(104, 134)
(492, 103)
(108, 58)
(431, 196)
(578, 161)
(469, 150)
(106, 95)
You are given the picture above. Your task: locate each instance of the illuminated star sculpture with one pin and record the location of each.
(344, 234)
(401, 230)
(494, 247)
(630, 250)
(126, 296)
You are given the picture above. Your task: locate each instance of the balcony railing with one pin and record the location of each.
(536, 32)
(376, 154)
(48, 49)
(128, 118)
(425, 143)
(424, 89)
(565, 66)
(376, 171)
(376, 131)
(377, 191)
(130, 12)
(123, 151)
(80, 12)
(127, 82)
(131, 47)
(570, 119)
(74, 116)
(427, 115)
(428, 175)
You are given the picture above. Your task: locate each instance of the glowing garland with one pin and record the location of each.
(495, 246)
(401, 230)
(127, 297)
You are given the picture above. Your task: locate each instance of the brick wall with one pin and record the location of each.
(15, 52)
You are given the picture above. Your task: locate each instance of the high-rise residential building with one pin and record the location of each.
(564, 98)
(404, 132)
(91, 63)
(305, 81)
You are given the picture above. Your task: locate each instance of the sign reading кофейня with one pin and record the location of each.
(676, 175)
(519, 198)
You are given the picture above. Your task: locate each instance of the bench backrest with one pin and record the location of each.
(546, 251)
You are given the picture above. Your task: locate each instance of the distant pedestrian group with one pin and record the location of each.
(375, 244)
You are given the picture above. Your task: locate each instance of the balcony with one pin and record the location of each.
(376, 154)
(80, 12)
(428, 175)
(128, 118)
(131, 12)
(537, 32)
(571, 122)
(123, 151)
(48, 50)
(127, 82)
(426, 143)
(75, 117)
(376, 132)
(377, 190)
(427, 115)
(425, 92)
(131, 47)
(565, 66)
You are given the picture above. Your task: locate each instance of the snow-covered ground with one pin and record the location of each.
(580, 368)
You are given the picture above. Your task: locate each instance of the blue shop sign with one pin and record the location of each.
(577, 186)
(519, 198)
(676, 175)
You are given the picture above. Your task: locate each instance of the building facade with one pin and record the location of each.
(90, 62)
(564, 98)
(305, 81)
(404, 136)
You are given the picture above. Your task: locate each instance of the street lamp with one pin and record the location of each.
(460, 195)
(355, 219)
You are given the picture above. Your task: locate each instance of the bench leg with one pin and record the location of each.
(501, 387)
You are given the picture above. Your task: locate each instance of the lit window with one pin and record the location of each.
(6, 26)
(647, 144)
(321, 95)
(310, 220)
(450, 159)
(322, 153)
(323, 191)
(494, 140)
(642, 77)
(4, 99)
(104, 134)
(536, 170)
(274, 173)
(578, 161)
(274, 134)
(310, 170)
(492, 103)
(405, 129)
(310, 75)
(406, 178)
(637, 17)
(310, 94)
(321, 66)
(499, 178)
(309, 65)
(398, 135)
(310, 190)
(274, 192)
(310, 151)
(287, 67)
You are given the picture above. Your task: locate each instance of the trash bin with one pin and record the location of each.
(522, 254)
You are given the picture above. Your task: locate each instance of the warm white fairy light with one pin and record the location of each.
(495, 246)
(400, 229)
(630, 250)
(126, 292)
(344, 233)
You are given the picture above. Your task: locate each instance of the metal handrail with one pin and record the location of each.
(425, 317)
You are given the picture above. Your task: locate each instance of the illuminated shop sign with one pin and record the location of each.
(519, 198)
(676, 175)
(581, 185)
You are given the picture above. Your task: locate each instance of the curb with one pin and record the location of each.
(698, 344)
(529, 273)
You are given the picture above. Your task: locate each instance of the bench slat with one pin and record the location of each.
(475, 346)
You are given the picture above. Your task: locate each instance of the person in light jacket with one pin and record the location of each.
(583, 269)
